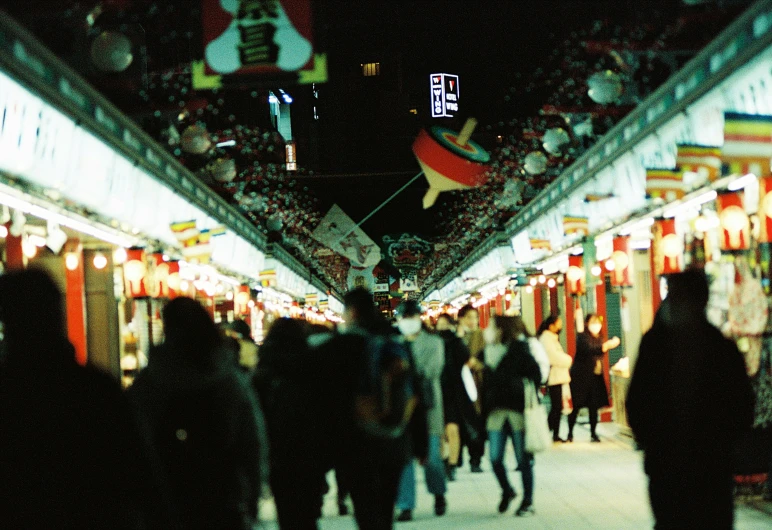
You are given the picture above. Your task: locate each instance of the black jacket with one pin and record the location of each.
(503, 388)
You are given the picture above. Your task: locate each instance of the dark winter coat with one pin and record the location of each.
(587, 388)
(71, 454)
(503, 387)
(206, 426)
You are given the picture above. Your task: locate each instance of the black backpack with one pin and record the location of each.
(385, 399)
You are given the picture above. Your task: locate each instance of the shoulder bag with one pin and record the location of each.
(537, 433)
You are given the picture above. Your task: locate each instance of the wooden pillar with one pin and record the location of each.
(569, 325)
(655, 295)
(14, 257)
(75, 295)
(554, 302)
(500, 309)
(538, 306)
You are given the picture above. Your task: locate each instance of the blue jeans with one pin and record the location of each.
(434, 471)
(497, 441)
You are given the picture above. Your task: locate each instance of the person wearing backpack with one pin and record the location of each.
(203, 418)
(428, 358)
(365, 435)
(508, 363)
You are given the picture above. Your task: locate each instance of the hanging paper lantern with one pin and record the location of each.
(223, 169)
(163, 277)
(622, 259)
(604, 87)
(111, 52)
(735, 225)
(668, 247)
(765, 210)
(535, 163)
(555, 140)
(195, 139)
(135, 273)
(241, 300)
(575, 276)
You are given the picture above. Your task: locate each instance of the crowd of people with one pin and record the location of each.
(213, 424)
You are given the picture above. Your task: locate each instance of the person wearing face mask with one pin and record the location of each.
(508, 362)
(588, 386)
(428, 358)
(559, 375)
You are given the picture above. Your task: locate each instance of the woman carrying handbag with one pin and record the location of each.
(509, 366)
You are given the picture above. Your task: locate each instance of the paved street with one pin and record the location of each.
(579, 486)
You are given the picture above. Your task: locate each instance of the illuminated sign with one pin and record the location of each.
(292, 164)
(445, 95)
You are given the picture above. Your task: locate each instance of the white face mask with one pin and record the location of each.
(409, 326)
(595, 328)
(490, 335)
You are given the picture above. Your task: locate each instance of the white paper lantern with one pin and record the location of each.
(604, 87)
(555, 140)
(223, 169)
(195, 139)
(111, 52)
(535, 163)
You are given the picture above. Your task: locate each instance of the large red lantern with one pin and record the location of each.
(765, 209)
(163, 277)
(576, 280)
(622, 258)
(735, 225)
(241, 300)
(135, 273)
(668, 247)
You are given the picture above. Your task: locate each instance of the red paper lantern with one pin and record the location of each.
(735, 225)
(668, 248)
(163, 277)
(241, 300)
(765, 209)
(576, 281)
(135, 273)
(622, 257)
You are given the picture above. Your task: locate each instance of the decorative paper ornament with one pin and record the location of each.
(666, 184)
(575, 276)
(668, 247)
(223, 169)
(747, 144)
(604, 87)
(450, 161)
(135, 273)
(195, 139)
(274, 223)
(700, 159)
(622, 259)
(735, 225)
(111, 52)
(555, 140)
(535, 163)
(574, 224)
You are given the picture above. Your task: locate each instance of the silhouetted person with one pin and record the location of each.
(689, 398)
(370, 465)
(71, 455)
(204, 420)
(284, 380)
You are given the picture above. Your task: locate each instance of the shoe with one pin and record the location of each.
(451, 474)
(558, 440)
(570, 438)
(475, 469)
(506, 499)
(342, 508)
(525, 510)
(594, 438)
(405, 515)
(440, 505)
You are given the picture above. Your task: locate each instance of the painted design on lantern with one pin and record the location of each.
(735, 222)
(672, 248)
(134, 271)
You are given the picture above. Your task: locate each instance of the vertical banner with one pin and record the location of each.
(667, 248)
(735, 225)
